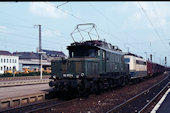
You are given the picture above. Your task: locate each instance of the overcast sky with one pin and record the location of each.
(143, 27)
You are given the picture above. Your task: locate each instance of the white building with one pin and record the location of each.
(8, 62)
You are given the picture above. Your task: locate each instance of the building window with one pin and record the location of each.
(15, 61)
(1, 60)
(7, 60)
(1, 68)
(4, 60)
(10, 61)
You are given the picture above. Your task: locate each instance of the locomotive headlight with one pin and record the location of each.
(82, 74)
(77, 76)
(54, 76)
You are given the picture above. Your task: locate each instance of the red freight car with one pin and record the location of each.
(154, 68)
(149, 68)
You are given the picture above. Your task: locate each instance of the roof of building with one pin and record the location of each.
(27, 55)
(53, 53)
(33, 55)
(5, 53)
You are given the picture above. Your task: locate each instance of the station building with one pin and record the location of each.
(53, 55)
(8, 62)
(30, 60)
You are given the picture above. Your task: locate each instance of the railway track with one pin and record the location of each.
(57, 105)
(21, 81)
(14, 83)
(140, 102)
(23, 78)
(50, 102)
(34, 106)
(149, 107)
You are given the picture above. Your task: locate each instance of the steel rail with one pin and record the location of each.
(133, 98)
(33, 107)
(22, 78)
(30, 106)
(49, 106)
(153, 98)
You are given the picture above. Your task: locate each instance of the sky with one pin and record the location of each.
(140, 27)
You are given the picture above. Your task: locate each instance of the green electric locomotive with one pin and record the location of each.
(92, 66)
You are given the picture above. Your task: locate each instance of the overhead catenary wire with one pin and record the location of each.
(26, 21)
(105, 33)
(158, 18)
(82, 20)
(116, 26)
(110, 21)
(15, 25)
(62, 4)
(26, 36)
(155, 30)
(70, 15)
(20, 44)
(66, 12)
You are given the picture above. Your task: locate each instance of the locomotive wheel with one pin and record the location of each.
(72, 93)
(98, 87)
(110, 84)
(95, 87)
(82, 91)
(123, 81)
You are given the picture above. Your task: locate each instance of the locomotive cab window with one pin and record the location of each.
(127, 60)
(83, 51)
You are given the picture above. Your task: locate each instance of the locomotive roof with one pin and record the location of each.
(131, 54)
(97, 43)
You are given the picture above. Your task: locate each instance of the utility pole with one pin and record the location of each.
(146, 55)
(151, 57)
(165, 61)
(39, 36)
(39, 51)
(39, 26)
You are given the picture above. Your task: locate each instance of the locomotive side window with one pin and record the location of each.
(140, 62)
(98, 52)
(104, 54)
(72, 54)
(108, 56)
